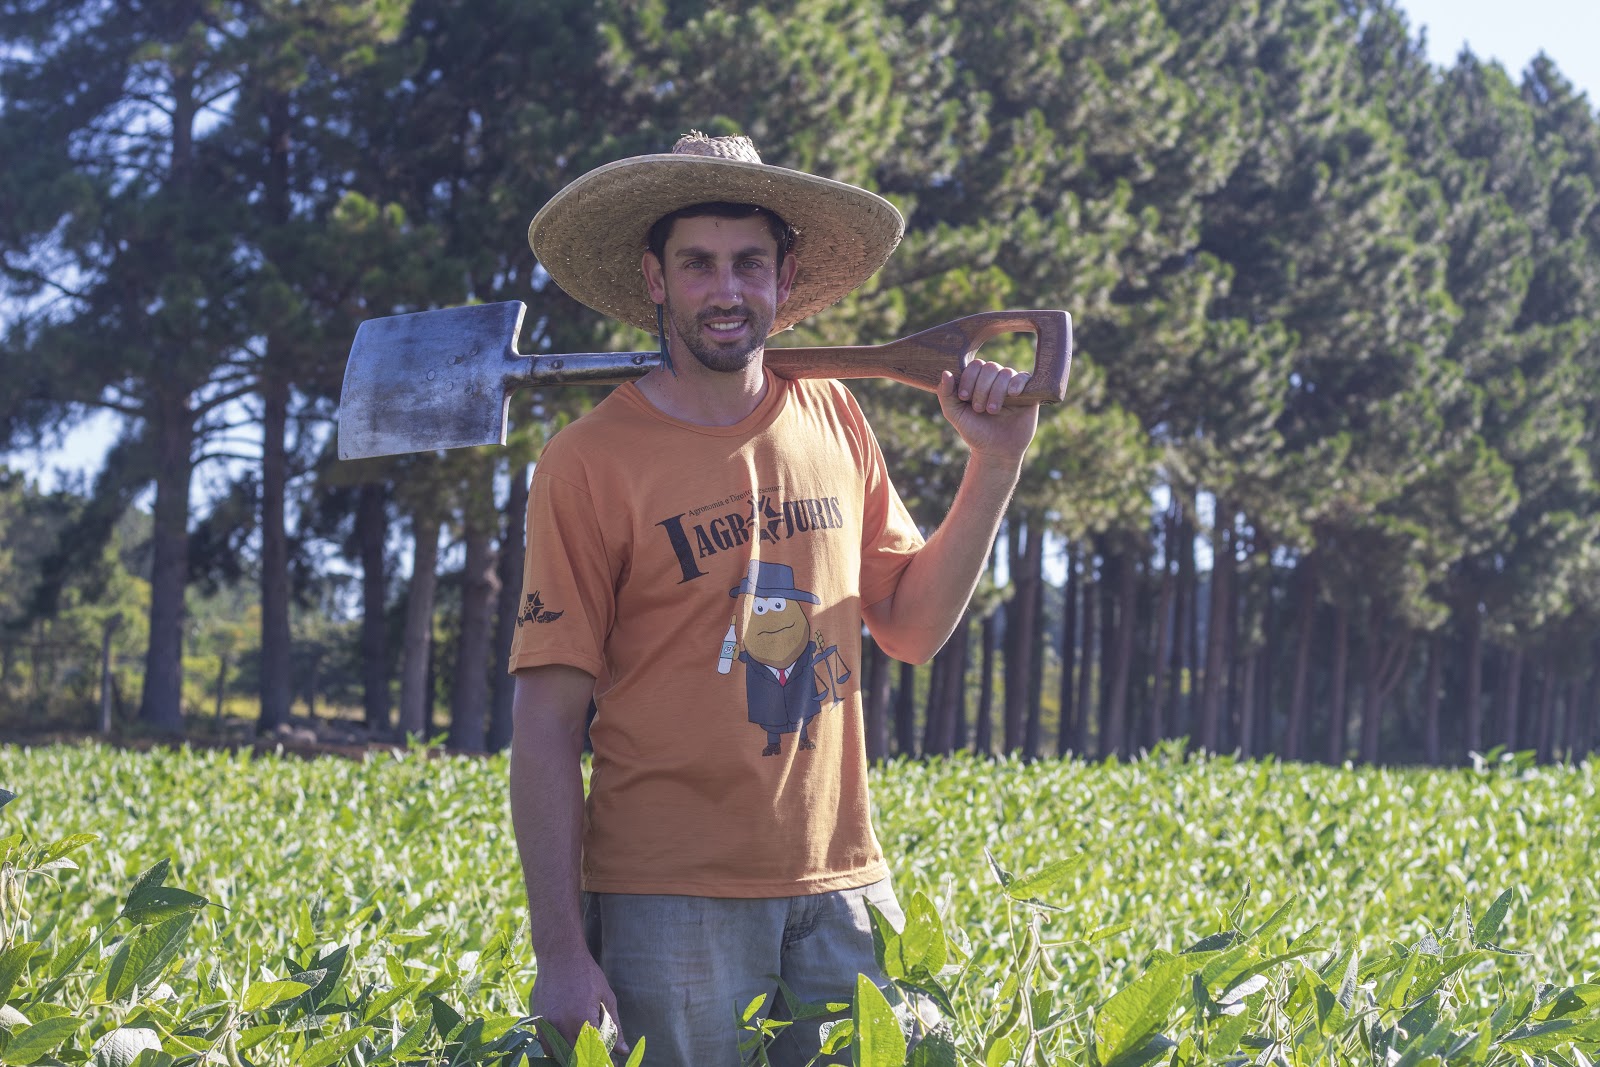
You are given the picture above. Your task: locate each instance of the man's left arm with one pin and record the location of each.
(913, 622)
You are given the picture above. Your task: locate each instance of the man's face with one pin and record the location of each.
(721, 285)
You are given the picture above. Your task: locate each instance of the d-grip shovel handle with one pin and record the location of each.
(920, 359)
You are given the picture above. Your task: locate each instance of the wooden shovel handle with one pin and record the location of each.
(919, 359)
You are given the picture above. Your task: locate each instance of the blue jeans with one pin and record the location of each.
(685, 968)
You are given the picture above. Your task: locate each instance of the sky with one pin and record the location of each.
(1511, 32)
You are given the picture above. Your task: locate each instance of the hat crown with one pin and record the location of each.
(695, 143)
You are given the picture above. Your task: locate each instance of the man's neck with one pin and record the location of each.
(705, 397)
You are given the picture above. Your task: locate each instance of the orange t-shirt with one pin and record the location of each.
(712, 579)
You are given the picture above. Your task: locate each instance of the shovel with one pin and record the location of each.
(444, 379)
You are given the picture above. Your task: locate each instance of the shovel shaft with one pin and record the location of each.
(917, 360)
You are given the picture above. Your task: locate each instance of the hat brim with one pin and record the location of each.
(591, 236)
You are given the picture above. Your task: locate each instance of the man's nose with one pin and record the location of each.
(727, 291)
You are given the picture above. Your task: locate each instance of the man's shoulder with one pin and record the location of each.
(594, 437)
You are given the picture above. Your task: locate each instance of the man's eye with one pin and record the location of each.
(760, 606)
(777, 603)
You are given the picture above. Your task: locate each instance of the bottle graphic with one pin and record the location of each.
(729, 642)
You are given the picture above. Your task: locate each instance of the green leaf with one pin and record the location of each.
(1003, 876)
(39, 1040)
(155, 903)
(1487, 933)
(383, 1002)
(143, 957)
(13, 962)
(934, 1050)
(1041, 883)
(590, 1049)
(1135, 1012)
(270, 994)
(636, 1057)
(57, 849)
(122, 1046)
(1156, 1046)
(334, 1048)
(919, 952)
(879, 1041)
(156, 875)
(410, 1039)
(446, 1020)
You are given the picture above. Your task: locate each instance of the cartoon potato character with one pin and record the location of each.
(778, 653)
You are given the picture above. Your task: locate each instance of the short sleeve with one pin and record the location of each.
(568, 588)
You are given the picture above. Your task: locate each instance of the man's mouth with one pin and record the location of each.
(779, 630)
(723, 327)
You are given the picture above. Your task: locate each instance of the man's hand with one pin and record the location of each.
(571, 992)
(974, 405)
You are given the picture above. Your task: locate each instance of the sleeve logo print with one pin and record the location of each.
(533, 610)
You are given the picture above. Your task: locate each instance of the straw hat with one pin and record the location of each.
(591, 235)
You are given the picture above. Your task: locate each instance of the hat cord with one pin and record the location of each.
(661, 335)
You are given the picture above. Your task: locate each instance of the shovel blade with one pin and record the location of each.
(429, 380)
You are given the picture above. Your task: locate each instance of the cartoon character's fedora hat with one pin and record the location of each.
(771, 579)
(591, 235)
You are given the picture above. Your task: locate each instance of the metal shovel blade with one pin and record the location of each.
(434, 379)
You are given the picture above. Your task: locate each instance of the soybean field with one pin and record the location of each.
(181, 906)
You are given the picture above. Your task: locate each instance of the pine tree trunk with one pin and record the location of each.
(1164, 623)
(1066, 718)
(1115, 741)
(1511, 701)
(1246, 740)
(1265, 708)
(1214, 684)
(512, 557)
(161, 705)
(1572, 732)
(1033, 619)
(1185, 638)
(957, 691)
(1033, 732)
(1090, 593)
(1544, 737)
(1432, 698)
(876, 700)
(372, 535)
(1370, 687)
(480, 585)
(275, 687)
(933, 724)
(1019, 641)
(275, 671)
(983, 729)
(108, 630)
(905, 712)
(1473, 709)
(416, 696)
(1338, 711)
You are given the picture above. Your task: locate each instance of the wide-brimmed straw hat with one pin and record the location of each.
(591, 235)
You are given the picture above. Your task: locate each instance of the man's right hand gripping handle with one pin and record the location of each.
(549, 707)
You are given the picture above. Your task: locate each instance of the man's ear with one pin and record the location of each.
(786, 277)
(654, 278)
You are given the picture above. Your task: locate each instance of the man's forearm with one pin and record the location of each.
(938, 584)
(547, 815)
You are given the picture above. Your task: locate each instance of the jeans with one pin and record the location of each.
(684, 969)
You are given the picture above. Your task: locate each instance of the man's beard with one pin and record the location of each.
(722, 358)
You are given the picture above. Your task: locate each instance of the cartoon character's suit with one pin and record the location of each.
(782, 709)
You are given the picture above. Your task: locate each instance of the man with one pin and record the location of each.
(672, 521)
